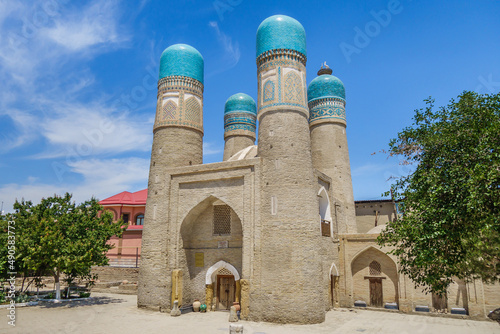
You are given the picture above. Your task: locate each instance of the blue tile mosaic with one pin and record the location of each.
(240, 102)
(325, 86)
(182, 59)
(240, 113)
(281, 32)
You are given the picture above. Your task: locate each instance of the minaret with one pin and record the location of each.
(177, 141)
(240, 117)
(289, 236)
(327, 122)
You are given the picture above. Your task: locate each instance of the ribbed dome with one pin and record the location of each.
(240, 103)
(281, 32)
(325, 86)
(182, 59)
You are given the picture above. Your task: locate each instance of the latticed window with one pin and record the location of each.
(222, 220)
(375, 268)
(224, 271)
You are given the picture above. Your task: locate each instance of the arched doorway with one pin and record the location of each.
(374, 278)
(223, 285)
(334, 286)
(211, 233)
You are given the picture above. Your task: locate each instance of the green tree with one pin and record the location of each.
(59, 237)
(450, 225)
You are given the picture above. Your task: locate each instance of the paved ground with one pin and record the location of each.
(118, 314)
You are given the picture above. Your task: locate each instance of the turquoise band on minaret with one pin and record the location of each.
(326, 100)
(240, 114)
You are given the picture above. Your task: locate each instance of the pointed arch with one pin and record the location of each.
(204, 204)
(376, 250)
(333, 270)
(209, 277)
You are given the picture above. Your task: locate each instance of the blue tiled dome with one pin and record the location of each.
(181, 59)
(281, 32)
(325, 86)
(240, 103)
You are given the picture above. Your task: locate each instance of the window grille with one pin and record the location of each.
(224, 271)
(375, 268)
(222, 220)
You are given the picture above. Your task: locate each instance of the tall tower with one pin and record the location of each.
(177, 141)
(327, 122)
(290, 267)
(240, 117)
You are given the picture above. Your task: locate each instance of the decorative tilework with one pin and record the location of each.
(193, 110)
(169, 110)
(240, 127)
(240, 114)
(325, 86)
(181, 60)
(279, 84)
(324, 109)
(293, 88)
(282, 61)
(187, 113)
(281, 32)
(269, 91)
(239, 102)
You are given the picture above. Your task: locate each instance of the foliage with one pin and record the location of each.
(83, 294)
(451, 202)
(57, 236)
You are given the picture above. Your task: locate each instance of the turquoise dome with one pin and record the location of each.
(281, 32)
(240, 103)
(181, 59)
(325, 86)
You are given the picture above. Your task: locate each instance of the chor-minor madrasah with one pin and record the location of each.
(273, 227)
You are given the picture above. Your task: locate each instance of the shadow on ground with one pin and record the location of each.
(79, 303)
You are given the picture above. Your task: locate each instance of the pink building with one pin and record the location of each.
(130, 207)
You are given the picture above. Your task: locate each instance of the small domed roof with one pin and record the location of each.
(325, 86)
(240, 102)
(182, 59)
(281, 32)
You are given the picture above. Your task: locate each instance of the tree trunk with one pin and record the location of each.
(58, 285)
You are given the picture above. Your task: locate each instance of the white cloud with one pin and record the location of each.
(210, 149)
(231, 49)
(94, 129)
(102, 178)
(97, 25)
(24, 131)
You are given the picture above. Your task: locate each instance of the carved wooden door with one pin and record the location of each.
(225, 292)
(376, 297)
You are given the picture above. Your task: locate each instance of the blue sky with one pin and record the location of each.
(78, 88)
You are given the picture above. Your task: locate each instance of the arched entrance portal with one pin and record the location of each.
(211, 254)
(223, 285)
(334, 286)
(374, 278)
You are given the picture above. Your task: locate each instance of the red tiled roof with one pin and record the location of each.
(137, 198)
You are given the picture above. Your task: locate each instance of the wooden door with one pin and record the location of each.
(225, 291)
(376, 297)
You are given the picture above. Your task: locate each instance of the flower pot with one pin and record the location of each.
(237, 306)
